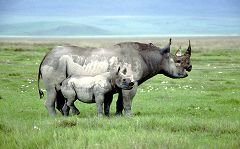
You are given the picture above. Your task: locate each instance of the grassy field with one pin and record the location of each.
(200, 111)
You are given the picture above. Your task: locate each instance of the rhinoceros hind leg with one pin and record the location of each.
(65, 109)
(70, 104)
(60, 101)
(50, 102)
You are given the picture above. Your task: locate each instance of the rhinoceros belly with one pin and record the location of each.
(84, 89)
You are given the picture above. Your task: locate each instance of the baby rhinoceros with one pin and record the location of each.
(91, 89)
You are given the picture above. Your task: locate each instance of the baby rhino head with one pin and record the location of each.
(122, 80)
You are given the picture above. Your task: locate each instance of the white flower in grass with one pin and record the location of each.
(197, 108)
(220, 72)
(36, 128)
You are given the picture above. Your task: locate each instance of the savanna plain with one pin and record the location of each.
(200, 111)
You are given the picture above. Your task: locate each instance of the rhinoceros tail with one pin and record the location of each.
(41, 94)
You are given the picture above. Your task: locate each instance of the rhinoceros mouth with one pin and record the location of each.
(189, 68)
(178, 76)
(125, 85)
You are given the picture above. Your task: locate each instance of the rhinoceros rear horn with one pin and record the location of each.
(188, 51)
(167, 48)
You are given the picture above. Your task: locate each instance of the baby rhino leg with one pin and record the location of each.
(65, 109)
(99, 102)
(74, 109)
(69, 104)
(108, 97)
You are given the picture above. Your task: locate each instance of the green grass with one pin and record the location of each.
(200, 111)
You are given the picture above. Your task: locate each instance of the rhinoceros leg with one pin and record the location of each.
(99, 102)
(65, 109)
(119, 104)
(60, 101)
(50, 102)
(75, 110)
(70, 105)
(128, 96)
(107, 102)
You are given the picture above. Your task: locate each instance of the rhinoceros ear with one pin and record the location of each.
(178, 52)
(189, 50)
(167, 48)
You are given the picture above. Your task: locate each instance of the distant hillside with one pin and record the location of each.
(51, 28)
(123, 26)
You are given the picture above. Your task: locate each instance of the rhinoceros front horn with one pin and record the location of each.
(188, 51)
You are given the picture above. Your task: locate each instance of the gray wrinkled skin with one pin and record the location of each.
(91, 89)
(144, 61)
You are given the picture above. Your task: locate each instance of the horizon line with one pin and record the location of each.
(123, 36)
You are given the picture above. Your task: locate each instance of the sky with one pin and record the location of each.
(115, 17)
(74, 8)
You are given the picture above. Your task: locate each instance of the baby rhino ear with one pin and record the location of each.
(124, 71)
(179, 53)
(118, 70)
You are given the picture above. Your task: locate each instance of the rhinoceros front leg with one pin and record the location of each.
(128, 96)
(119, 104)
(75, 110)
(107, 102)
(99, 103)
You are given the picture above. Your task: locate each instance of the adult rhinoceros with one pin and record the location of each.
(144, 61)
